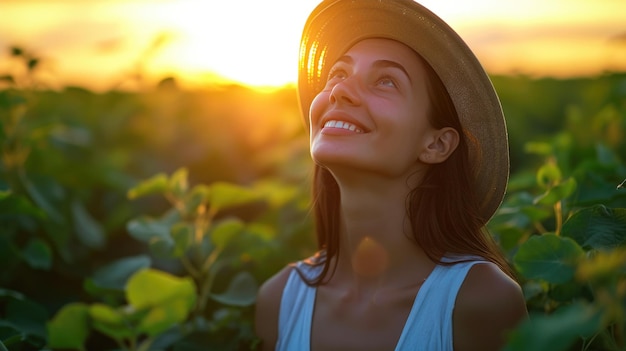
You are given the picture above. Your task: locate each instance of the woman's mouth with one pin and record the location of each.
(342, 125)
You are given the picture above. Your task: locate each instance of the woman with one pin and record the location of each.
(411, 161)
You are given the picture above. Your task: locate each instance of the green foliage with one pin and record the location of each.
(565, 232)
(147, 220)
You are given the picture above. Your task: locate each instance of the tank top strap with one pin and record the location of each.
(296, 309)
(429, 324)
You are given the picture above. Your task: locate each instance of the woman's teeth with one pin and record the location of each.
(343, 125)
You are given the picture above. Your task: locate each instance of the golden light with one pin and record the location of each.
(255, 42)
(97, 43)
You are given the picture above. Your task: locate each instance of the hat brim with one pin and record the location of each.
(336, 25)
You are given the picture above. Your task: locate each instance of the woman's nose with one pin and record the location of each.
(346, 91)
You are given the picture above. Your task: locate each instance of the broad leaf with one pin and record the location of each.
(38, 254)
(558, 331)
(28, 316)
(162, 317)
(145, 228)
(225, 231)
(69, 328)
(167, 299)
(548, 175)
(183, 236)
(155, 185)
(557, 193)
(88, 230)
(603, 265)
(226, 195)
(538, 148)
(150, 287)
(241, 291)
(110, 321)
(115, 274)
(42, 200)
(198, 196)
(178, 183)
(14, 205)
(597, 227)
(548, 257)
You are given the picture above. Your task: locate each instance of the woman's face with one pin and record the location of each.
(372, 114)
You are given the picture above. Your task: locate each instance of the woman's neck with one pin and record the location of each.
(375, 235)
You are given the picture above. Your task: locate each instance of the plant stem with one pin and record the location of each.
(558, 212)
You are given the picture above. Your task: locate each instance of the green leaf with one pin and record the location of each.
(183, 236)
(14, 205)
(27, 316)
(178, 183)
(548, 257)
(145, 228)
(241, 291)
(69, 328)
(162, 247)
(597, 227)
(276, 193)
(114, 275)
(558, 331)
(536, 214)
(225, 195)
(510, 237)
(110, 321)
(548, 175)
(167, 299)
(198, 196)
(557, 193)
(38, 254)
(42, 201)
(106, 314)
(88, 230)
(162, 317)
(155, 185)
(156, 232)
(225, 231)
(148, 288)
(603, 265)
(538, 148)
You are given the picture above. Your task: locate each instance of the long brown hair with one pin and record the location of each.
(443, 209)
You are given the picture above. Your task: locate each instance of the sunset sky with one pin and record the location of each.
(95, 43)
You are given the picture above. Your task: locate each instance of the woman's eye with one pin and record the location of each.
(337, 74)
(386, 81)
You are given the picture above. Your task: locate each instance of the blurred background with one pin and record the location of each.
(164, 136)
(93, 43)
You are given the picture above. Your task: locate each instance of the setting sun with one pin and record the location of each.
(256, 43)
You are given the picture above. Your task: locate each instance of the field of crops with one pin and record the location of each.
(147, 220)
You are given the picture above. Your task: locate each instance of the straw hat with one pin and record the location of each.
(336, 25)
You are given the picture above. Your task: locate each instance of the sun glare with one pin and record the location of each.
(251, 42)
(256, 42)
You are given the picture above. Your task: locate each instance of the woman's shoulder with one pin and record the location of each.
(489, 304)
(268, 307)
(272, 288)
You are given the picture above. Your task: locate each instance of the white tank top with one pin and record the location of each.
(428, 326)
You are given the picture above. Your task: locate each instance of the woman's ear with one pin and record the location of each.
(444, 142)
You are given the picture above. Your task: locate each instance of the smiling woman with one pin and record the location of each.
(255, 43)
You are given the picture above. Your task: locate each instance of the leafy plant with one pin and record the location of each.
(146, 220)
(158, 308)
(569, 247)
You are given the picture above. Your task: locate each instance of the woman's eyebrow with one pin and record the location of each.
(344, 59)
(392, 64)
(347, 59)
